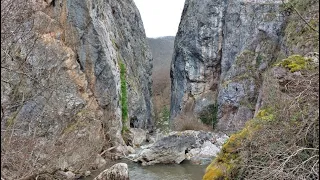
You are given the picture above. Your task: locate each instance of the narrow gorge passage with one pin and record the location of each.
(159, 89)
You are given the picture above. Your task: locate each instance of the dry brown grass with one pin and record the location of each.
(161, 93)
(189, 121)
(26, 157)
(288, 146)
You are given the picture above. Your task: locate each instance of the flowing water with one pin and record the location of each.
(184, 171)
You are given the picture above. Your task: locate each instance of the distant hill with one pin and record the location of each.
(162, 50)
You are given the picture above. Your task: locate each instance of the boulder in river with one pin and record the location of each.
(135, 137)
(116, 172)
(207, 150)
(174, 147)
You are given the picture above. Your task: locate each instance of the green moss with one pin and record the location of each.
(295, 63)
(226, 161)
(239, 78)
(225, 165)
(246, 60)
(266, 114)
(11, 120)
(70, 128)
(124, 97)
(213, 173)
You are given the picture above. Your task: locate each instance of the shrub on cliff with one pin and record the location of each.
(295, 63)
(209, 115)
(282, 141)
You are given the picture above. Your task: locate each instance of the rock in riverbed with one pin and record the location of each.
(116, 172)
(178, 146)
(135, 137)
(206, 151)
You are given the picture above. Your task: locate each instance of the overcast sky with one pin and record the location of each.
(160, 17)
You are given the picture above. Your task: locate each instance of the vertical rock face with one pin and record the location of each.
(65, 78)
(195, 68)
(221, 48)
(111, 33)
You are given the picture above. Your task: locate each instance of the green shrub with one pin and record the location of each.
(209, 114)
(163, 119)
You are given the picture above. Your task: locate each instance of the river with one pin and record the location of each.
(184, 171)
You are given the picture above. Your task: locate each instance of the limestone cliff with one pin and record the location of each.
(221, 49)
(78, 77)
(280, 102)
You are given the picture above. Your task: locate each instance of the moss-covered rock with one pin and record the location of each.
(265, 114)
(224, 166)
(295, 63)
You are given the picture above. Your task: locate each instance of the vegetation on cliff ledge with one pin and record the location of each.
(124, 97)
(226, 163)
(282, 140)
(295, 63)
